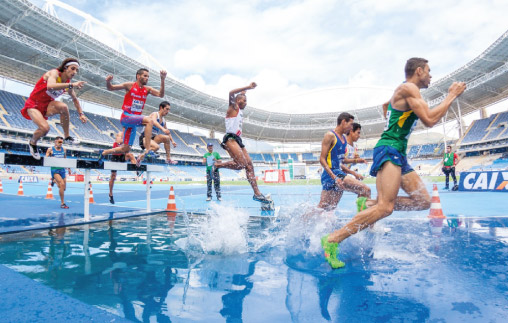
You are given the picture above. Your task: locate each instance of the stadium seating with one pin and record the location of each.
(478, 130)
(256, 157)
(268, 158)
(309, 157)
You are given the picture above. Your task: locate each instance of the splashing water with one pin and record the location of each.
(222, 231)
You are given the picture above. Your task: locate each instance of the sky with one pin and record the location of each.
(306, 56)
(338, 53)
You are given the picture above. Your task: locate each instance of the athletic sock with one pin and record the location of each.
(361, 203)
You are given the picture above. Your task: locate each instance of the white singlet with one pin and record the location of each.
(234, 124)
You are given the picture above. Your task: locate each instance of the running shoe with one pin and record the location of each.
(261, 198)
(111, 200)
(331, 249)
(208, 199)
(361, 203)
(64, 206)
(219, 199)
(101, 157)
(71, 141)
(33, 150)
(171, 162)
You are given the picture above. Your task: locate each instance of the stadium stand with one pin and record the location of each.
(309, 157)
(256, 157)
(268, 158)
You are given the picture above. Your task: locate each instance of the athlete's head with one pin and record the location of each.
(209, 147)
(448, 149)
(69, 67)
(241, 100)
(59, 141)
(355, 132)
(164, 108)
(142, 76)
(345, 120)
(418, 70)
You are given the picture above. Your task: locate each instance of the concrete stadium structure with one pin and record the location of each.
(26, 52)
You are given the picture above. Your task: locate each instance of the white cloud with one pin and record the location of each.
(291, 47)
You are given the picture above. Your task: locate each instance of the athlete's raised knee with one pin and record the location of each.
(385, 209)
(44, 128)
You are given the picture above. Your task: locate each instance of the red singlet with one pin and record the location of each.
(41, 97)
(135, 99)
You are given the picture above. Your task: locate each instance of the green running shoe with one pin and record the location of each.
(331, 249)
(361, 203)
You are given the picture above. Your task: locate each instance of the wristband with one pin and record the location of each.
(81, 114)
(70, 86)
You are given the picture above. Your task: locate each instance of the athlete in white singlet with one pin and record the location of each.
(232, 141)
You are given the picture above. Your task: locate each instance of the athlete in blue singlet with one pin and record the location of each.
(160, 132)
(58, 173)
(333, 179)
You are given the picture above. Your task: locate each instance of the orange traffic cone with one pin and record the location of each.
(435, 207)
(49, 193)
(171, 200)
(1, 187)
(20, 189)
(91, 200)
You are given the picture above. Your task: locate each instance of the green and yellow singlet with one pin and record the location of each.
(399, 125)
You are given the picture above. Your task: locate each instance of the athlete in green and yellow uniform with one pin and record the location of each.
(390, 165)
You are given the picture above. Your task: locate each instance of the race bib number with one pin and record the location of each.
(54, 94)
(137, 106)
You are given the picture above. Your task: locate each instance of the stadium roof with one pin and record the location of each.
(26, 53)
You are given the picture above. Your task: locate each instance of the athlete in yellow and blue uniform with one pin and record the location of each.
(334, 159)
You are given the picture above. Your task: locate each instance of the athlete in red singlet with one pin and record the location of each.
(133, 105)
(41, 104)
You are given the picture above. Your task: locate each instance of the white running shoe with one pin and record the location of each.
(71, 141)
(208, 199)
(34, 151)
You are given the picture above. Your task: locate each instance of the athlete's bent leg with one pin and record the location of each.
(388, 182)
(329, 199)
(419, 198)
(61, 187)
(40, 122)
(57, 107)
(241, 160)
(353, 185)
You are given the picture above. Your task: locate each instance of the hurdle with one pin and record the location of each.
(87, 165)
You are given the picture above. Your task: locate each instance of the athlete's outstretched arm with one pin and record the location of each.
(160, 93)
(115, 87)
(245, 88)
(431, 117)
(54, 85)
